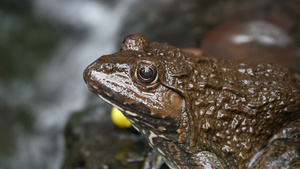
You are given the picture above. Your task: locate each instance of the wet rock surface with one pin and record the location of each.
(93, 141)
(250, 40)
(185, 23)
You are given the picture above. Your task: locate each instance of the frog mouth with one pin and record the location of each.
(133, 111)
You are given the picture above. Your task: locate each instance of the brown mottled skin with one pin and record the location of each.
(200, 112)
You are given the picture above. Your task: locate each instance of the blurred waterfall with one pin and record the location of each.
(60, 80)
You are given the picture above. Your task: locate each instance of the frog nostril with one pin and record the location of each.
(108, 66)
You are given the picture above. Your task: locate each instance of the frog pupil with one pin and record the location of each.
(146, 72)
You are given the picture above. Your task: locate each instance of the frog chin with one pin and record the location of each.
(137, 113)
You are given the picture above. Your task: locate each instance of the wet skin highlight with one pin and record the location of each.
(200, 112)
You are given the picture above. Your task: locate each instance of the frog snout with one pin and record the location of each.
(87, 74)
(88, 79)
(92, 86)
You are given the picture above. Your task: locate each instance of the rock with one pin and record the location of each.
(93, 141)
(253, 40)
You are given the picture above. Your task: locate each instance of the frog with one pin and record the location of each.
(201, 112)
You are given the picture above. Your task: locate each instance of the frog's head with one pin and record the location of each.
(133, 80)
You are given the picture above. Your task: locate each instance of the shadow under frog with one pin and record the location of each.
(200, 112)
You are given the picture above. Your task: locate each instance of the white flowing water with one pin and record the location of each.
(61, 79)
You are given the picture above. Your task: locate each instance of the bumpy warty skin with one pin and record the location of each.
(203, 112)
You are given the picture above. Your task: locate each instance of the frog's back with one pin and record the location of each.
(264, 103)
(249, 104)
(235, 107)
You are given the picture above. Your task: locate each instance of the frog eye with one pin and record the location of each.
(146, 73)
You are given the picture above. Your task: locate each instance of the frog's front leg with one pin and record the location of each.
(283, 151)
(176, 157)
